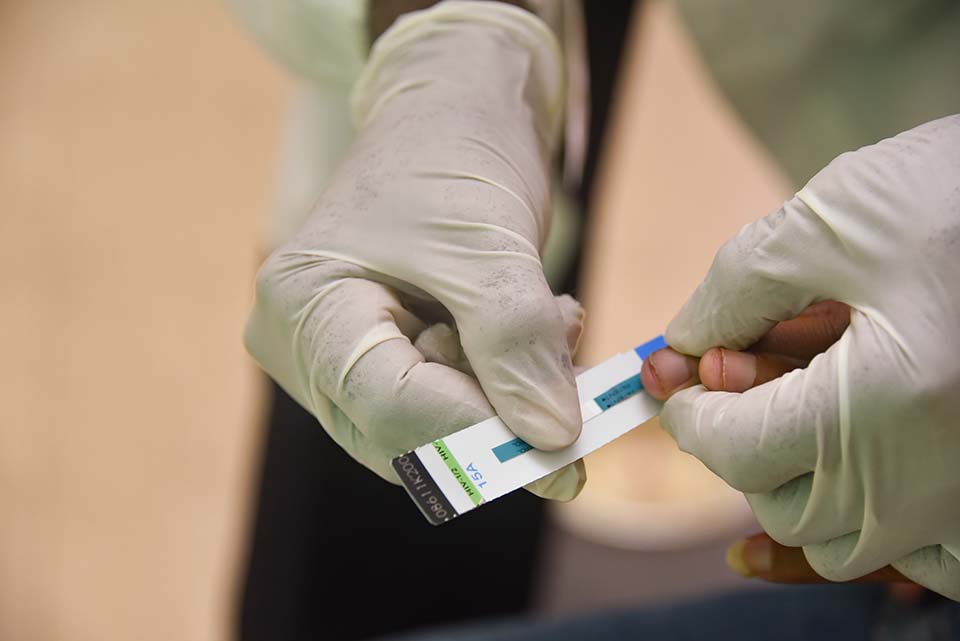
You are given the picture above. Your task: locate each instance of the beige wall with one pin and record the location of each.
(136, 155)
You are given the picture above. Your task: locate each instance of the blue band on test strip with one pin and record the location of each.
(650, 347)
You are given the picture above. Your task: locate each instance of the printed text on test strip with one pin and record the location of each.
(483, 462)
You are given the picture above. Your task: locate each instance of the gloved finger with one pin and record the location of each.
(756, 279)
(766, 436)
(440, 343)
(935, 567)
(513, 333)
(759, 556)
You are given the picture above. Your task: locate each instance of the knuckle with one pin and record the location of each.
(274, 279)
(825, 562)
(737, 473)
(287, 272)
(781, 531)
(776, 519)
(267, 278)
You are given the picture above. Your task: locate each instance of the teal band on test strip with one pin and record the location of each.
(619, 392)
(511, 449)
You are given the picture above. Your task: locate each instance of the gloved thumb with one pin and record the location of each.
(516, 339)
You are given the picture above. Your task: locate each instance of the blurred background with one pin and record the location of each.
(139, 150)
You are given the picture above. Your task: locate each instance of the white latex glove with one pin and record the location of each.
(437, 213)
(856, 457)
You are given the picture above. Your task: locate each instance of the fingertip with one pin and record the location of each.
(651, 384)
(568, 485)
(667, 371)
(752, 556)
(547, 427)
(735, 561)
(569, 431)
(711, 369)
(581, 468)
(563, 485)
(758, 554)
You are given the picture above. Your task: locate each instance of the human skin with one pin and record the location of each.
(789, 345)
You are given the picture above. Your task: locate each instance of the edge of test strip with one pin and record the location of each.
(485, 461)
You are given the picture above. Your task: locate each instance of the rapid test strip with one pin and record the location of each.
(485, 461)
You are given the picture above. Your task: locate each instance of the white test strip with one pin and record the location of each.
(480, 463)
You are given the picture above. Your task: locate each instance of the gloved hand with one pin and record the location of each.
(436, 214)
(857, 456)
